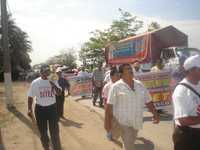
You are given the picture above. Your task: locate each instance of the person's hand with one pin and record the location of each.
(156, 118)
(30, 113)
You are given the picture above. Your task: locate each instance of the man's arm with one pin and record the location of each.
(108, 117)
(151, 107)
(190, 120)
(30, 109)
(67, 86)
(58, 90)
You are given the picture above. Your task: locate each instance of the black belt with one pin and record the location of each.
(187, 128)
(49, 106)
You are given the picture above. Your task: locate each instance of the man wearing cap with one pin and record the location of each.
(44, 91)
(64, 84)
(186, 101)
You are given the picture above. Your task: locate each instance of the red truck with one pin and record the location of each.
(165, 43)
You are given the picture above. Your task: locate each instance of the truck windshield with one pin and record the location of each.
(188, 53)
(168, 54)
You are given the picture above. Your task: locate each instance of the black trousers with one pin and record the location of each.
(186, 138)
(97, 91)
(47, 117)
(60, 103)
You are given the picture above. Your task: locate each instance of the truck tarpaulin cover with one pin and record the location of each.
(145, 47)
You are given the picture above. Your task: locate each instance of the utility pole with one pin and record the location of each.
(7, 60)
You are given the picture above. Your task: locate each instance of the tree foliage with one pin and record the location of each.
(19, 46)
(67, 58)
(126, 25)
(153, 26)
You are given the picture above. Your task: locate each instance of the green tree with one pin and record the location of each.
(92, 51)
(67, 58)
(19, 46)
(153, 26)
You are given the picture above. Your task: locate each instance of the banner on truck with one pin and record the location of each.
(158, 84)
(125, 52)
(80, 86)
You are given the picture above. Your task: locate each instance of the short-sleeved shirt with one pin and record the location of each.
(128, 104)
(98, 75)
(42, 91)
(105, 91)
(63, 83)
(185, 102)
(107, 77)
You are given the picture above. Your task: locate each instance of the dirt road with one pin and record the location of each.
(82, 130)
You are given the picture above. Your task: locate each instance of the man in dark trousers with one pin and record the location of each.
(97, 82)
(44, 91)
(186, 102)
(64, 84)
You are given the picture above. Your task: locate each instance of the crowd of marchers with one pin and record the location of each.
(124, 99)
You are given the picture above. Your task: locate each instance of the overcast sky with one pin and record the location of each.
(54, 25)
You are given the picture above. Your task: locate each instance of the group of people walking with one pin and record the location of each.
(124, 99)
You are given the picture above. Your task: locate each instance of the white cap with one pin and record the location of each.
(193, 61)
(59, 69)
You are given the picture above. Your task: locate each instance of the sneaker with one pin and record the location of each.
(100, 104)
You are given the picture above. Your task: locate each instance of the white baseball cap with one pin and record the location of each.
(191, 62)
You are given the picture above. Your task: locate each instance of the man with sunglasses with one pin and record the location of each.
(43, 91)
(126, 101)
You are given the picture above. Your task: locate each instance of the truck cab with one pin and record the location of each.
(171, 56)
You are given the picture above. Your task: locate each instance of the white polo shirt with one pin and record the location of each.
(41, 90)
(106, 89)
(128, 105)
(185, 102)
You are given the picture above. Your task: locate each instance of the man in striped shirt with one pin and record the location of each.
(126, 101)
(97, 82)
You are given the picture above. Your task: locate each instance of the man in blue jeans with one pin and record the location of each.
(44, 91)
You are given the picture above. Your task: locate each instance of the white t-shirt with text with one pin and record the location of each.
(42, 91)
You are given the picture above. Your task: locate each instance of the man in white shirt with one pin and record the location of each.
(126, 101)
(186, 101)
(114, 75)
(159, 66)
(44, 91)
